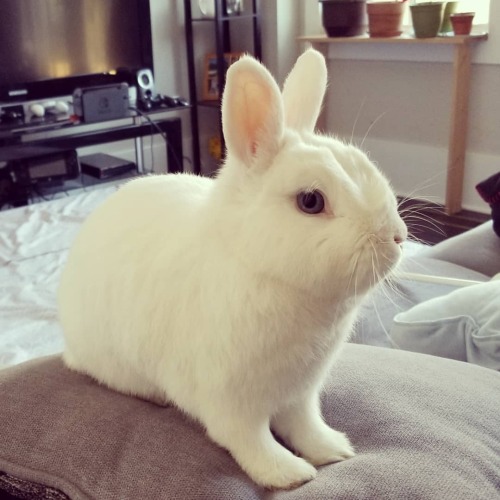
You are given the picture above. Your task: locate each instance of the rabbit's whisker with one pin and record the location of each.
(356, 119)
(354, 274)
(372, 124)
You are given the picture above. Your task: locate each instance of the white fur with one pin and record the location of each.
(221, 296)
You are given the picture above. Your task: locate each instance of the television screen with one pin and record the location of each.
(50, 47)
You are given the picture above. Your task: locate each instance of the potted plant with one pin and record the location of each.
(426, 18)
(343, 17)
(385, 19)
(462, 22)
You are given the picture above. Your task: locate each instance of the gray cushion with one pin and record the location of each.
(477, 249)
(424, 427)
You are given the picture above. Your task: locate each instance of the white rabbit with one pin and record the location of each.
(229, 297)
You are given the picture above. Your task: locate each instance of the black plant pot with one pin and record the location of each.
(343, 18)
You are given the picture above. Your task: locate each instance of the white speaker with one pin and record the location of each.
(145, 85)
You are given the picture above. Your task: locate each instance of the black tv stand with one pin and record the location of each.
(79, 135)
(68, 135)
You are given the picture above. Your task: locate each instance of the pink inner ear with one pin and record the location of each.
(260, 114)
(252, 110)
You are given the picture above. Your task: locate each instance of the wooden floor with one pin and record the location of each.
(427, 222)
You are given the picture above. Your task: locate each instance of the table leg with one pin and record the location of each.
(175, 156)
(139, 155)
(458, 129)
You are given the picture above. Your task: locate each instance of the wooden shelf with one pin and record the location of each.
(459, 101)
(398, 40)
(210, 104)
(224, 18)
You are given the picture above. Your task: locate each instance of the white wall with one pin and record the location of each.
(282, 23)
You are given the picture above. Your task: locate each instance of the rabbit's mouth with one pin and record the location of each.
(389, 255)
(375, 262)
(386, 247)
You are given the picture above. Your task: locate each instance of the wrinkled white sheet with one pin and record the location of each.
(34, 241)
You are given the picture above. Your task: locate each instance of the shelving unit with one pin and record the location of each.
(221, 45)
(76, 136)
(459, 104)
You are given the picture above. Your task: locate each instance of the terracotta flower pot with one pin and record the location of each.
(462, 22)
(426, 18)
(385, 19)
(343, 17)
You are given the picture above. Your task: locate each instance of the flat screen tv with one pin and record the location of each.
(48, 48)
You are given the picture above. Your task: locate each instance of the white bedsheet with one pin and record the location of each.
(34, 241)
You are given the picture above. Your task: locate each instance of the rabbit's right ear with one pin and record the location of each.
(252, 111)
(304, 90)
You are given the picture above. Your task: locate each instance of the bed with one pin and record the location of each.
(34, 241)
(423, 426)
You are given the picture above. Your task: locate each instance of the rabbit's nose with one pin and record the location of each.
(398, 239)
(400, 233)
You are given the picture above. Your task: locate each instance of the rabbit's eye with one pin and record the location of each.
(310, 202)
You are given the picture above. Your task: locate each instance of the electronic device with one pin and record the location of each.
(29, 165)
(97, 104)
(61, 107)
(169, 101)
(53, 107)
(173, 101)
(166, 101)
(104, 166)
(38, 110)
(57, 44)
(145, 88)
(182, 101)
(11, 114)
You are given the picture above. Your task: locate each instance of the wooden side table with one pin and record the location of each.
(459, 101)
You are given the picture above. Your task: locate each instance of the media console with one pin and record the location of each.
(67, 136)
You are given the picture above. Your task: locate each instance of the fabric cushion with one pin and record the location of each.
(424, 427)
(462, 325)
(385, 301)
(477, 249)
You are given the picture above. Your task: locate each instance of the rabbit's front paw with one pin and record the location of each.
(266, 461)
(327, 446)
(302, 427)
(285, 473)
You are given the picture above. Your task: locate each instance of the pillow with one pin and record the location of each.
(477, 249)
(384, 302)
(462, 325)
(423, 427)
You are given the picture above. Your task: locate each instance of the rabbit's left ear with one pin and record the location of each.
(304, 90)
(252, 111)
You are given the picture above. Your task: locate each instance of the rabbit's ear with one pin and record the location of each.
(252, 110)
(304, 90)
